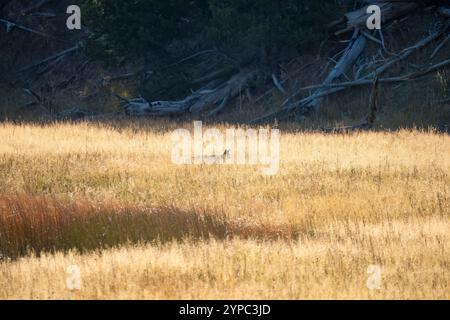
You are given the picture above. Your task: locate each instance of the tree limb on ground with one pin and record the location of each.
(195, 103)
(50, 59)
(391, 10)
(311, 102)
(353, 51)
(10, 25)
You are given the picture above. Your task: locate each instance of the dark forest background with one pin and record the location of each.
(164, 50)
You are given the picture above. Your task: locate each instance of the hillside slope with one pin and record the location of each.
(77, 85)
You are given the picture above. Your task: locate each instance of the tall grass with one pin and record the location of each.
(45, 224)
(107, 197)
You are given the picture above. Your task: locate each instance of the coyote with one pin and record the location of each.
(214, 159)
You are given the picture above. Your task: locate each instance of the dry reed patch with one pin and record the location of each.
(37, 224)
(46, 224)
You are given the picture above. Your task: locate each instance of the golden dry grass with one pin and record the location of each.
(338, 204)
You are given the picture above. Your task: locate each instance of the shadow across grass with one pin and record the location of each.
(44, 224)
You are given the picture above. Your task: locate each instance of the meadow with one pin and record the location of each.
(107, 198)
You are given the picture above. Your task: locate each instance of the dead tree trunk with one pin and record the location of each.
(371, 117)
(196, 103)
(353, 51)
(347, 60)
(391, 10)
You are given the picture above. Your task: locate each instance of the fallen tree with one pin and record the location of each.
(351, 53)
(212, 99)
(391, 10)
(198, 101)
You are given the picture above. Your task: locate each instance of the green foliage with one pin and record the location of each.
(241, 28)
(133, 28)
(246, 25)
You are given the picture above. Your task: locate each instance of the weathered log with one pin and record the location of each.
(406, 53)
(311, 102)
(278, 84)
(391, 10)
(366, 81)
(50, 59)
(10, 25)
(196, 103)
(353, 51)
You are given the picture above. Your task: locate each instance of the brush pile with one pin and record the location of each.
(371, 66)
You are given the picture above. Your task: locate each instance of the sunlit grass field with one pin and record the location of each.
(107, 198)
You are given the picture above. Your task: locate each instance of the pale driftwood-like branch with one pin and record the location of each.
(440, 46)
(353, 51)
(391, 10)
(35, 96)
(365, 81)
(37, 100)
(406, 53)
(196, 103)
(232, 87)
(372, 38)
(278, 84)
(50, 59)
(268, 92)
(10, 25)
(311, 102)
(333, 88)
